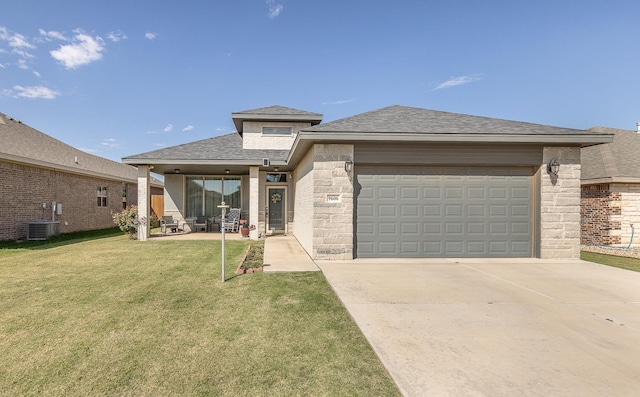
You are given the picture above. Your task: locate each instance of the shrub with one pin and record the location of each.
(127, 220)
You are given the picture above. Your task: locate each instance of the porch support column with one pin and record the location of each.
(144, 198)
(254, 192)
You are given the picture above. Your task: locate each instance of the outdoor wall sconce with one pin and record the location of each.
(177, 170)
(348, 166)
(226, 171)
(553, 167)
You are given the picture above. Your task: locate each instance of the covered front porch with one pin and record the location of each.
(195, 192)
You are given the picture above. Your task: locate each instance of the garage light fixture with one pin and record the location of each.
(553, 167)
(348, 166)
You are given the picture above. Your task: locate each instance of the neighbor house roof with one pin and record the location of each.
(274, 113)
(23, 144)
(221, 150)
(618, 161)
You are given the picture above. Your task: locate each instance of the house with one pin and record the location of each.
(393, 182)
(47, 182)
(610, 197)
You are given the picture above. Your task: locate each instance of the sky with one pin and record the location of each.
(117, 78)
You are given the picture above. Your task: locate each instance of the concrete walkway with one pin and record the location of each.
(285, 254)
(487, 327)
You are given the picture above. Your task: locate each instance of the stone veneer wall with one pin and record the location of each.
(324, 202)
(599, 215)
(560, 204)
(333, 221)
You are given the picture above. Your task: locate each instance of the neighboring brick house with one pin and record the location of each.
(394, 182)
(610, 201)
(37, 170)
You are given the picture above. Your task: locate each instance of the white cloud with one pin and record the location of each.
(83, 50)
(274, 9)
(341, 102)
(35, 92)
(19, 44)
(168, 128)
(116, 36)
(37, 74)
(110, 143)
(454, 81)
(188, 128)
(52, 35)
(15, 40)
(22, 64)
(150, 35)
(22, 53)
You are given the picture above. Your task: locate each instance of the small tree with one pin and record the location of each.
(127, 220)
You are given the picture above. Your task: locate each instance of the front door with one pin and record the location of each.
(276, 209)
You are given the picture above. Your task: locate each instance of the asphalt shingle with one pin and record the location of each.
(619, 159)
(403, 119)
(19, 142)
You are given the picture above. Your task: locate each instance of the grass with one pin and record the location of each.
(612, 260)
(110, 316)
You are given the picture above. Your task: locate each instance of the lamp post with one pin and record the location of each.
(224, 207)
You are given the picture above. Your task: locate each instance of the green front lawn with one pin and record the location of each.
(611, 260)
(110, 316)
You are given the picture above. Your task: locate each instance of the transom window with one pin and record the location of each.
(276, 130)
(205, 193)
(276, 177)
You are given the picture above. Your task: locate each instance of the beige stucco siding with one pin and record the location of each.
(252, 137)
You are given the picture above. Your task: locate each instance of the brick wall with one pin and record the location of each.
(24, 188)
(599, 215)
(629, 207)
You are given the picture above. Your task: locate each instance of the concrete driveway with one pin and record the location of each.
(477, 327)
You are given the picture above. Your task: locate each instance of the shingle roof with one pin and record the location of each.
(21, 143)
(619, 159)
(403, 119)
(279, 110)
(220, 149)
(274, 113)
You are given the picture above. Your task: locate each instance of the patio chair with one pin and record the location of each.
(200, 223)
(233, 220)
(168, 222)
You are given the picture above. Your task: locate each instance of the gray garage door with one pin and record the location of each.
(425, 211)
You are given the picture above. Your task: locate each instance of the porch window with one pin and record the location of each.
(205, 193)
